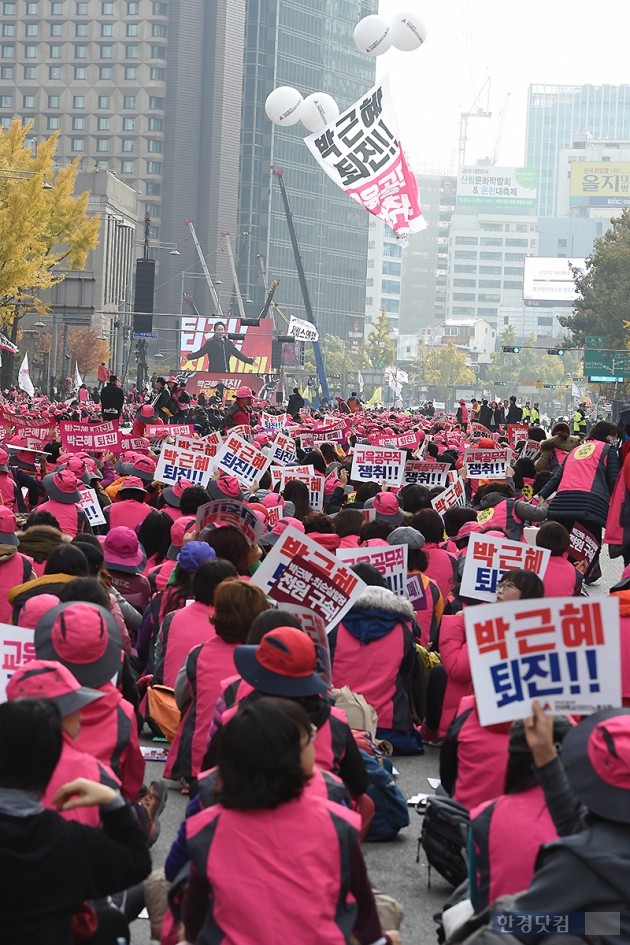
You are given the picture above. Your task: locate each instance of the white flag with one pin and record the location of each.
(360, 382)
(24, 378)
(78, 380)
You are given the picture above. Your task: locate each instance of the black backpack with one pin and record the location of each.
(444, 838)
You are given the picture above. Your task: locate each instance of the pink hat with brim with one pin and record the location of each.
(242, 393)
(85, 638)
(173, 494)
(225, 486)
(123, 551)
(49, 679)
(63, 487)
(271, 537)
(35, 608)
(596, 758)
(179, 530)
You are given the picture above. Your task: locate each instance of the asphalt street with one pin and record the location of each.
(392, 866)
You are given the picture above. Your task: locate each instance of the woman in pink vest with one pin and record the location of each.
(507, 833)
(295, 844)
(48, 679)
(584, 485)
(155, 537)
(442, 565)
(555, 450)
(63, 502)
(15, 569)
(236, 604)
(86, 639)
(8, 488)
(562, 578)
(125, 559)
(190, 626)
(158, 576)
(129, 508)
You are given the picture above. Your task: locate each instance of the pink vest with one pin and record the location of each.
(580, 472)
(440, 567)
(66, 515)
(349, 541)
(171, 512)
(109, 731)
(561, 578)
(454, 655)
(523, 816)
(371, 670)
(77, 764)
(16, 570)
(179, 633)
(128, 512)
(502, 517)
(206, 667)
(482, 756)
(301, 846)
(7, 491)
(162, 573)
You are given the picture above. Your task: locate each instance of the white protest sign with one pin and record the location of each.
(298, 570)
(302, 330)
(454, 495)
(91, 506)
(16, 649)
(390, 561)
(489, 557)
(187, 458)
(378, 464)
(239, 458)
(272, 421)
(565, 652)
(313, 481)
(230, 512)
(296, 472)
(530, 449)
(487, 464)
(282, 449)
(422, 473)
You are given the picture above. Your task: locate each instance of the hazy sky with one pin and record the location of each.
(515, 44)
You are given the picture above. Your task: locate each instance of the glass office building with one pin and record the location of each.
(555, 113)
(308, 46)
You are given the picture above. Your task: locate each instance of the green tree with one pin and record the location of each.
(380, 347)
(531, 364)
(603, 305)
(445, 369)
(44, 228)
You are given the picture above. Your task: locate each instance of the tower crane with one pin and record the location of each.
(475, 111)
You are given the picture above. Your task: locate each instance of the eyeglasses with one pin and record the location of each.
(311, 734)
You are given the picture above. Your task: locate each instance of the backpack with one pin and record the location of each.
(359, 713)
(444, 837)
(391, 813)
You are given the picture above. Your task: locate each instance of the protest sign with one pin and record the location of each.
(419, 472)
(404, 441)
(517, 432)
(91, 506)
(330, 435)
(16, 649)
(137, 443)
(313, 481)
(390, 561)
(299, 570)
(89, 436)
(529, 449)
(230, 512)
(282, 449)
(487, 464)
(159, 431)
(478, 429)
(272, 421)
(562, 651)
(306, 440)
(361, 152)
(242, 429)
(378, 464)
(453, 495)
(583, 546)
(489, 557)
(241, 459)
(276, 473)
(187, 458)
(302, 330)
(39, 434)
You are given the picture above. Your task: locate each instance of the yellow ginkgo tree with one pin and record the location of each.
(44, 227)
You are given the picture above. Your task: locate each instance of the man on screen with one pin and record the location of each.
(219, 350)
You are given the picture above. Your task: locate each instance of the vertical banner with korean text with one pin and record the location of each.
(563, 651)
(361, 152)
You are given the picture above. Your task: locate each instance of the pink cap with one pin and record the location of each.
(122, 550)
(35, 608)
(132, 482)
(84, 637)
(179, 529)
(243, 392)
(280, 526)
(8, 527)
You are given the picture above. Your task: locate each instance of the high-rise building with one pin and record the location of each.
(310, 47)
(383, 275)
(555, 113)
(148, 90)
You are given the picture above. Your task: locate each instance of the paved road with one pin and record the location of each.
(393, 868)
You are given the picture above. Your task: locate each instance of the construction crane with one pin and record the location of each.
(237, 288)
(317, 351)
(206, 271)
(475, 111)
(500, 127)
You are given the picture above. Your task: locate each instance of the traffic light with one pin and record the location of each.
(558, 351)
(511, 349)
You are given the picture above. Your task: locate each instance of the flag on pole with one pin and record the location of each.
(360, 382)
(24, 378)
(376, 397)
(78, 380)
(6, 345)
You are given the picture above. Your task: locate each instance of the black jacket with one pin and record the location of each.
(112, 400)
(514, 414)
(295, 404)
(485, 416)
(219, 351)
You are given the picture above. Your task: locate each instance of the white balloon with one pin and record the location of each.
(408, 31)
(283, 105)
(318, 110)
(373, 35)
